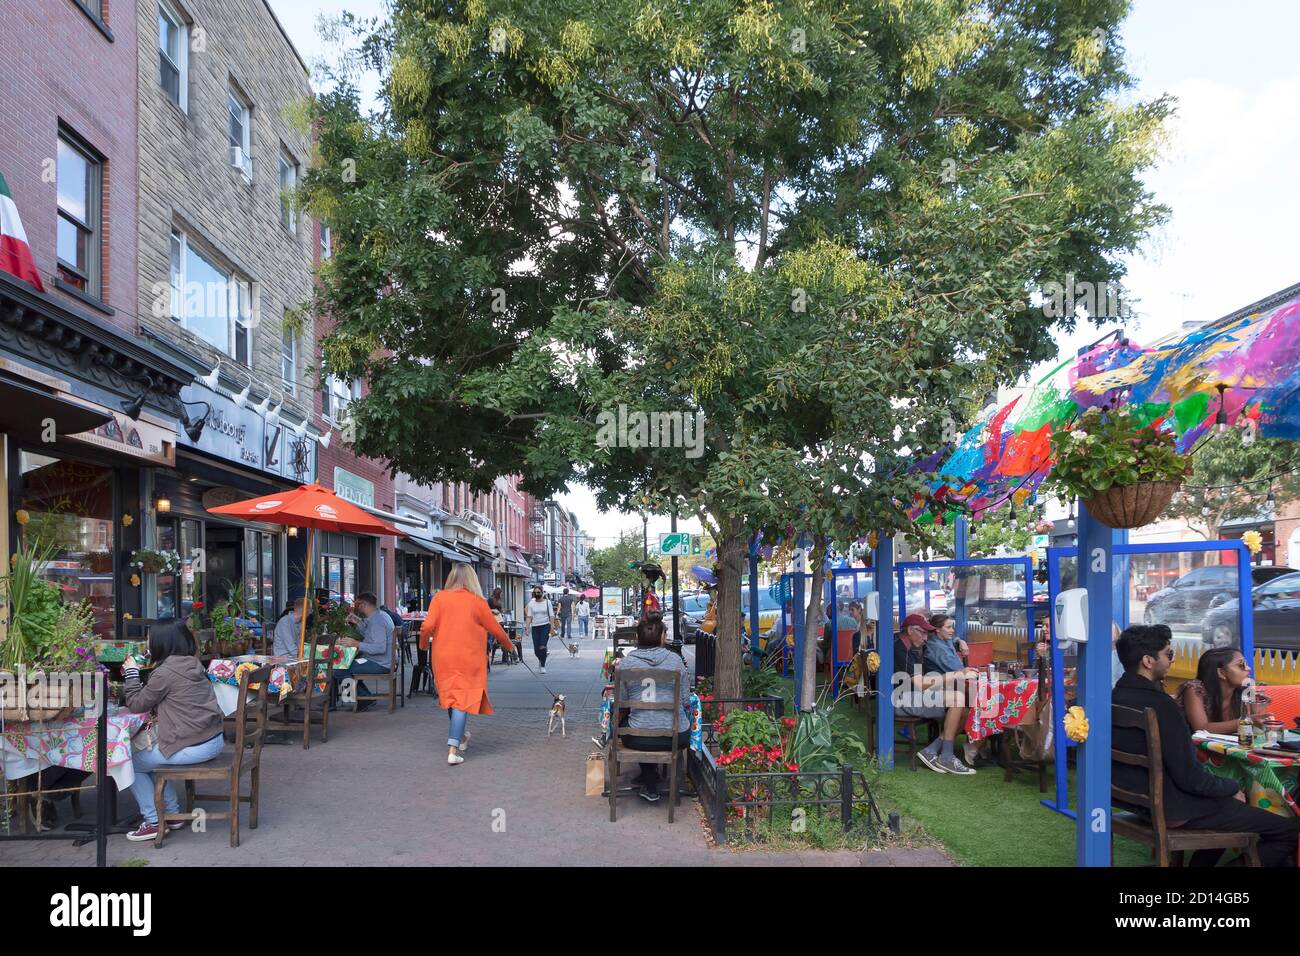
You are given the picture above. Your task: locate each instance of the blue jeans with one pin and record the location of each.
(360, 667)
(147, 761)
(582, 626)
(457, 732)
(541, 635)
(564, 628)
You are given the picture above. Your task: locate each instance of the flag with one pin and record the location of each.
(15, 254)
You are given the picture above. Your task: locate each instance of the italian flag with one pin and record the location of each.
(15, 254)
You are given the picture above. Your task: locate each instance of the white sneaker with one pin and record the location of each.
(970, 751)
(454, 759)
(543, 668)
(464, 743)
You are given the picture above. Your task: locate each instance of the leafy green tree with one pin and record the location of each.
(610, 565)
(818, 224)
(1231, 479)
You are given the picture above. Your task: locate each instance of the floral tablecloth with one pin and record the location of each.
(1000, 706)
(1270, 782)
(28, 746)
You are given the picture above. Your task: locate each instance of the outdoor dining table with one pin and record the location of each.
(1001, 705)
(1270, 780)
(288, 674)
(29, 746)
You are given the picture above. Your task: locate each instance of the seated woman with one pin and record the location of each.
(188, 719)
(650, 653)
(944, 650)
(1213, 700)
(288, 629)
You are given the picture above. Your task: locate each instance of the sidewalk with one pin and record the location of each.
(381, 793)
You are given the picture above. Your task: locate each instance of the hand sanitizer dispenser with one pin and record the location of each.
(1072, 616)
(871, 604)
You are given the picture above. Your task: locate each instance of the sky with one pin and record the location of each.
(1230, 172)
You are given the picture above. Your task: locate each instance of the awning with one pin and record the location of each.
(475, 553)
(516, 566)
(24, 409)
(394, 518)
(451, 554)
(413, 545)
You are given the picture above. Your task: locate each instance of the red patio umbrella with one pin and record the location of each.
(311, 507)
(591, 593)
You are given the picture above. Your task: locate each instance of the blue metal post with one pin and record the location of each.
(960, 551)
(1061, 803)
(1097, 571)
(884, 568)
(799, 608)
(1121, 579)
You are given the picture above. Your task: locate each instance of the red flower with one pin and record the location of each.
(792, 767)
(787, 723)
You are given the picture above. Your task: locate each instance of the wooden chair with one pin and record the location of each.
(1154, 832)
(914, 724)
(614, 748)
(310, 694)
(392, 676)
(1012, 763)
(228, 767)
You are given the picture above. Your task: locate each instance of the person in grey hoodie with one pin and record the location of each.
(651, 654)
(189, 720)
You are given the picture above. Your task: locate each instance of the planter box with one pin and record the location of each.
(1131, 506)
(36, 697)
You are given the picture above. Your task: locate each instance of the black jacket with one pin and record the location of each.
(1189, 791)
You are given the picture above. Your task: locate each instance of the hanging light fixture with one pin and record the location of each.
(241, 399)
(1205, 505)
(325, 438)
(209, 381)
(263, 406)
(1221, 416)
(1272, 498)
(301, 429)
(1069, 521)
(273, 416)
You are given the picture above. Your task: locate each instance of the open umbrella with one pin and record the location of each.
(314, 508)
(591, 593)
(704, 574)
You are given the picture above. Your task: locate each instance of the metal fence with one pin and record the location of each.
(706, 655)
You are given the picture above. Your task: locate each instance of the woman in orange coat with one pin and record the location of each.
(456, 628)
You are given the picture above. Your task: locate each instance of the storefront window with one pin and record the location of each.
(70, 508)
(175, 593)
(259, 575)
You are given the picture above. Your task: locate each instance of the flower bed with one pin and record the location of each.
(749, 783)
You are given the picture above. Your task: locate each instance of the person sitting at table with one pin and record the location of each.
(1213, 700)
(1193, 797)
(650, 653)
(374, 648)
(288, 629)
(943, 648)
(916, 679)
(188, 721)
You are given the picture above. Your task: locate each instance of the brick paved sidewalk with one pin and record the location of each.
(380, 792)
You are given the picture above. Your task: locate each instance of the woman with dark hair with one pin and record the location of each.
(651, 654)
(1213, 700)
(943, 648)
(187, 724)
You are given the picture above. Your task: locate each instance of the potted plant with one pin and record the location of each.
(150, 561)
(100, 562)
(1125, 471)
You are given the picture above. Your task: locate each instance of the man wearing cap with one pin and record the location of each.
(919, 692)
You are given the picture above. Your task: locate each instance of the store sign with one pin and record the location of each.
(354, 488)
(138, 439)
(243, 436)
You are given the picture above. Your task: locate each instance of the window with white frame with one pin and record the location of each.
(326, 241)
(239, 133)
(289, 357)
(336, 395)
(173, 54)
(288, 183)
(212, 301)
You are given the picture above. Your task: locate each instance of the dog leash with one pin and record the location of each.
(538, 676)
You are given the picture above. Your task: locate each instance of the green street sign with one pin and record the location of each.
(675, 544)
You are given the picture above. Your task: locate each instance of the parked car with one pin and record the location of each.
(1276, 614)
(1189, 597)
(694, 607)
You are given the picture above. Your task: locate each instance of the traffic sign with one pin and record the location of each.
(675, 544)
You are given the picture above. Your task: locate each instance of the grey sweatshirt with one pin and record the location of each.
(662, 659)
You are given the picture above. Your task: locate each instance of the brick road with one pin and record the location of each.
(380, 792)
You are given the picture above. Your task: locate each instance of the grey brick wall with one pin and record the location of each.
(187, 181)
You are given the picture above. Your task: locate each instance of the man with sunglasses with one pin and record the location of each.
(1193, 797)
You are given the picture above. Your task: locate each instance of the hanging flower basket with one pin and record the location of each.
(1131, 506)
(149, 561)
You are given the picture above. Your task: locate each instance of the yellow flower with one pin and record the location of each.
(135, 580)
(127, 616)
(21, 516)
(1076, 724)
(873, 662)
(873, 540)
(13, 560)
(127, 521)
(1251, 539)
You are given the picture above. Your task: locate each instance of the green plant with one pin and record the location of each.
(760, 682)
(811, 745)
(151, 561)
(1108, 448)
(34, 606)
(70, 645)
(740, 727)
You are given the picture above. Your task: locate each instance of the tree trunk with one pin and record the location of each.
(812, 625)
(731, 560)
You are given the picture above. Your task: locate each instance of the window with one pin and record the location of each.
(336, 395)
(289, 357)
(326, 241)
(211, 301)
(288, 183)
(79, 179)
(173, 54)
(239, 134)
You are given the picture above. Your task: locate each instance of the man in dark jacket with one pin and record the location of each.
(1193, 797)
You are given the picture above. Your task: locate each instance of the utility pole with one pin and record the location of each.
(645, 536)
(677, 605)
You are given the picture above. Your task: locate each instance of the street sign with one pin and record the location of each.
(675, 544)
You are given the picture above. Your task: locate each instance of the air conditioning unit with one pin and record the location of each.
(242, 161)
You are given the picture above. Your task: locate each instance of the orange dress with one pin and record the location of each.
(456, 628)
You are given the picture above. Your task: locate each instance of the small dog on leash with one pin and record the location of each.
(557, 713)
(573, 650)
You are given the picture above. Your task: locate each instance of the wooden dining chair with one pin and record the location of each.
(615, 748)
(391, 675)
(229, 767)
(310, 696)
(1168, 843)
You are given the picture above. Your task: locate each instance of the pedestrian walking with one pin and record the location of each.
(539, 618)
(565, 603)
(584, 616)
(455, 631)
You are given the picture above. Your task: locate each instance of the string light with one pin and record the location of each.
(1221, 416)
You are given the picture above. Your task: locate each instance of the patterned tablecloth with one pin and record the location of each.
(1000, 706)
(1270, 781)
(288, 674)
(29, 746)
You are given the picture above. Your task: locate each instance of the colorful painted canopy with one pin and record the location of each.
(1007, 454)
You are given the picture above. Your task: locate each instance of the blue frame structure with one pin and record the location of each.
(1109, 549)
(833, 598)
